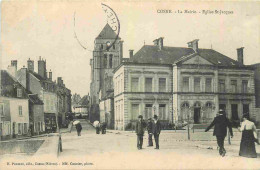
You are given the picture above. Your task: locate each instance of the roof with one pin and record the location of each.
(152, 54)
(7, 79)
(39, 77)
(169, 55)
(84, 101)
(217, 58)
(35, 99)
(107, 33)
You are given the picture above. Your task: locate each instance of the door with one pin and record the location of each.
(235, 119)
(196, 115)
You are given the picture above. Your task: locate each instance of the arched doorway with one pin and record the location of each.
(197, 110)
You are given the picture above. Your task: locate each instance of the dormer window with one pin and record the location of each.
(19, 92)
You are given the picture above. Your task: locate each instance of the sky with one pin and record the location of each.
(30, 29)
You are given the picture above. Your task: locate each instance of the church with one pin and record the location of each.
(107, 55)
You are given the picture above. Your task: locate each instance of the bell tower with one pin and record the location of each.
(107, 55)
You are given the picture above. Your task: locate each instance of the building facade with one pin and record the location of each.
(63, 101)
(14, 107)
(142, 89)
(45, 89)
(181, 84)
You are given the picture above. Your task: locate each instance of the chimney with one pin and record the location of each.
(159, 42)
(12, 70)
(42, 68)
(30, 65)
(131, 53)
(59, 81)
(240, 55)
(50, 75)
(14, 63)
(23, 77)
(194, 45)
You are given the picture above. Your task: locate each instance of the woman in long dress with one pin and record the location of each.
(247, 145)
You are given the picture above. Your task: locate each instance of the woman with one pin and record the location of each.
(247, 145)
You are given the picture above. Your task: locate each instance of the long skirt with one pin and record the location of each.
(247, 145)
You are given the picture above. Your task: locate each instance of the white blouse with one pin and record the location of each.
(248, 125)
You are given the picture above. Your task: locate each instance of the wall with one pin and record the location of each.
(15, 117)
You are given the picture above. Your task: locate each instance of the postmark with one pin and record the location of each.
(112, 20)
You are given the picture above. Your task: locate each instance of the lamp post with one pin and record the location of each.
(188, 126)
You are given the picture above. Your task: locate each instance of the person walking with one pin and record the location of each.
(221, 123)
(247, 145)
(139, 130)
(79, 128)
(150, 132)
(70, 118)
(156, 130)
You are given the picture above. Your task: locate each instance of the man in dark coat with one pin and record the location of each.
(139, 130)
(156, 130)
(150, 132)
(79, 128)
(221, 123)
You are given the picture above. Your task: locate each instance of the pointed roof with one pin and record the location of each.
(107, 33)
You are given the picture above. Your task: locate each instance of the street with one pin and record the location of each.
(117, 149)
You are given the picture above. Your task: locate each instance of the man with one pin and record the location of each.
(139, 129)
(150, 132)
(221, 123)
(156, 130)
(79, 128)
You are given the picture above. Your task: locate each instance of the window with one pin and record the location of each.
(39, 127)
(114, 47)
(20, 109)
(162, 111)
(105, 61)
(233, 86)
(244, 86)
(25, 128)
(162, 84)
(20, 128)
(196, 84)
(221, 84)
(208, 85)
(1, 109)
(19, 92)
(185, 84)
(245, 108)
(148, 111)
(110, 61)
(101, 47)
(135, 111)
(148, 84)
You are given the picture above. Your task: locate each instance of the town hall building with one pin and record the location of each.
(181, 83)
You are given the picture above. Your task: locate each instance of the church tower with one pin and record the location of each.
(107, 55)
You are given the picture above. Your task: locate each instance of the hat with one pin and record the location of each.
(155, 116)
(140, 116)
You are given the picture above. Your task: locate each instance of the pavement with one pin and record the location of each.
(117, 150)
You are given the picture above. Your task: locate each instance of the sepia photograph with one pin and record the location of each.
(137, 84)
